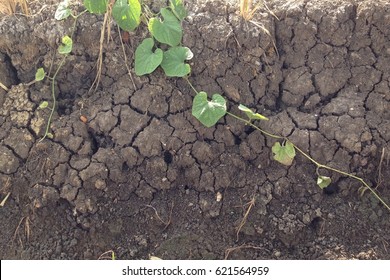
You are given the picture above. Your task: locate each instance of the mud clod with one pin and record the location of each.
(8, 162)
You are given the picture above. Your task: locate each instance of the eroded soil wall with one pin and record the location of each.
(142, 177)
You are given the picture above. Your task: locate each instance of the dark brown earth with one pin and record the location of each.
(142, 176)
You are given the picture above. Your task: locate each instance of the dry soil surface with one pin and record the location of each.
(143, 177)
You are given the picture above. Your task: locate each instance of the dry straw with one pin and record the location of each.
(247, 10)
(9, 7)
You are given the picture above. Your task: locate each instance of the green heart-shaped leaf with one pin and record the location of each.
(146, 61)
(178, 9)
(284, 153)
(323, 181)
(168, 31)
(67, 45)
(251, 115)
(127, 14)
(40, 74)
(96, 6)
(62, 11)
(173, 62)
(208, 112)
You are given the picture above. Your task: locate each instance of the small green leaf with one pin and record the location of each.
(49, 135)
(284, 153)
(43, 105)
(178, 9)
(251, 115)
(208, 112)
(127, 14)
(66, 46)
(168, 31)
(96, 6)
(173, 62)
(40, 74)
(62, 11)
(323, 181)
(146, 61)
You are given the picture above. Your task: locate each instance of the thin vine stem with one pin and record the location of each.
(319, 165)
(192, 87)
(53, 79)
(248, 122)
(53, 93)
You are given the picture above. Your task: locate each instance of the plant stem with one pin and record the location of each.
(319, 165)
(53, 80)
(53, 93)
(192, 87)
(247, 122)
(239, 118)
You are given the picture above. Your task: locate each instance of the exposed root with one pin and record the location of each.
(243, 246)
(380, 177)
(385, 245)
(250, 204)
(99, 63)
(8, 7)
(109, 255)
(166, 223)
(266, 31)
(247, 12)
(27, 230)
(379, 180)
(125, 56)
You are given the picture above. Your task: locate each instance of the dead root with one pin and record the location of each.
(26, 222)
(249, 206)
(228, 251)
(164, 222)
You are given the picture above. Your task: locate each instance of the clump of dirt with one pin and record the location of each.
(142, 177)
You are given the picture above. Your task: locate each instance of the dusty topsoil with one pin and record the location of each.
(142, 176)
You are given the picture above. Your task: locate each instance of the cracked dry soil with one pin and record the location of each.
(141, 177)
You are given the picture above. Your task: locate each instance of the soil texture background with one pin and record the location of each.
(143, 177)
